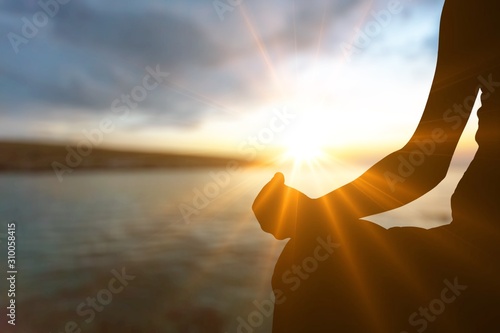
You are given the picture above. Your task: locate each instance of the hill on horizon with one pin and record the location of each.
(27, 156)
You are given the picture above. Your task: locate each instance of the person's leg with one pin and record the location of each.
(476, 217)
(458, 286)
(325, 283)
(366, 278)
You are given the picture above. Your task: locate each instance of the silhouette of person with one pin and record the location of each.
(339, 273)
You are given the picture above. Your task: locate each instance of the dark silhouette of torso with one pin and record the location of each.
(408, 279)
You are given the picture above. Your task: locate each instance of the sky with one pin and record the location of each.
(217, 77)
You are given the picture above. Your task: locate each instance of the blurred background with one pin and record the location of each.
(135, 136)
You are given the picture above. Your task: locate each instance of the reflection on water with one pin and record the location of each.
(75, 237)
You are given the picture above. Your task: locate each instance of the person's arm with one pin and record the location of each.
(409, 172)
(423, 162)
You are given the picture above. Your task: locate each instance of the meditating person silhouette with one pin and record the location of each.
(339, 273)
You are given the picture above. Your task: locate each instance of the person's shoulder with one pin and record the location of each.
(472, 9)
(470, 18)
(469, 33)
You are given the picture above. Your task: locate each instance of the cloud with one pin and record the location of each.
(91, 52)
(86, 56)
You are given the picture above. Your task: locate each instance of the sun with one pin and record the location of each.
(304, 146)
(304, 152)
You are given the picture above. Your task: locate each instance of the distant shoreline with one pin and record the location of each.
(34, 157)
(37, 157)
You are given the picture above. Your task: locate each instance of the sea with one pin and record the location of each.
(173, 250)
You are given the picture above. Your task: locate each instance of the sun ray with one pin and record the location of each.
(320, 35)
(354, 266)
(262, 49)
(362, 20)
(193, 95)
(305, 150)
(295, 37)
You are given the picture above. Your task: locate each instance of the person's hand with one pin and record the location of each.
(280, 208)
